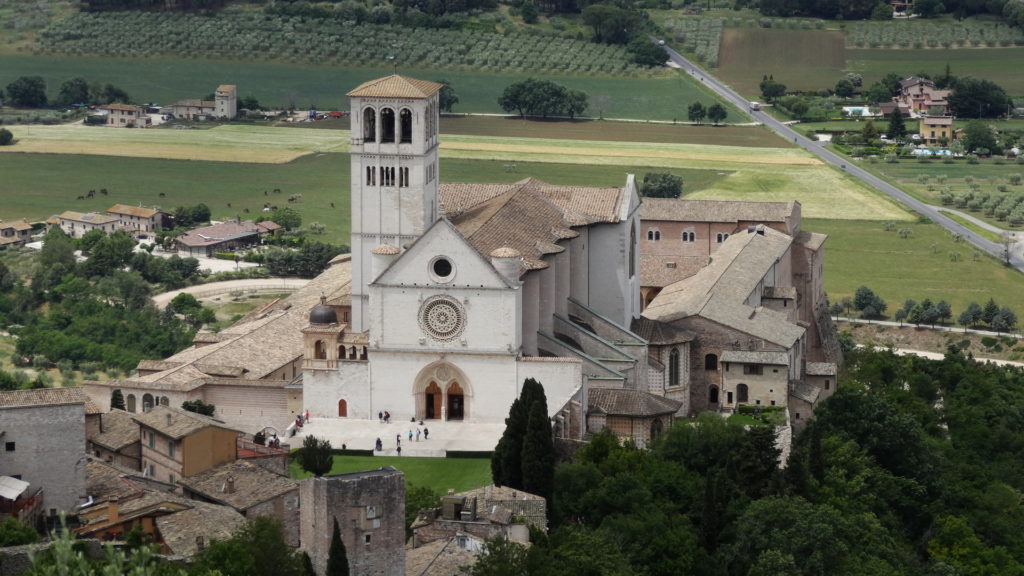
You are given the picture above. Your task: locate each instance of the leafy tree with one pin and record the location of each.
(844, 88)
(199, 407)
(259, 549)
(14, 533)
(249, 103)
(315, 456)
(944, 311)
(929, 8)
(541, 98)
(110, 94)
(645, 52)
(897, 127)
(529, 12)
(1005, 320)
(6, 137)
(771, 89)
(503, 558)
(74, 91)
(863, 297)
(337, 557)
(978, 136)
(287, 218)
(717, 113)
(418, 498)
(869, 132)
(611, 24)
(447, 97)
(696, 112)
(973, 98)
(117, 400)
(990, 311)
(111, 252)
(27, 91)
(882, 11)
(662, 185)
(970, 316)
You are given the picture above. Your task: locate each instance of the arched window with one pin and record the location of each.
(165, 401)
(713, 395)
(319, 350)
(742, 393)
(369, 125)
(721, 237)
(656, 427)
(129, 402)
(689, 237)
(341, 352)
(387, 125)
(711, 362)
(673, 367)
(632, 249)
(147, 402)
(405, 119)
(653, 235)
(342, 408)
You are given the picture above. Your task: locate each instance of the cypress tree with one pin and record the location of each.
(117, 400)
(337, 559)
(506, 462)
(538, 457)
(897, 128)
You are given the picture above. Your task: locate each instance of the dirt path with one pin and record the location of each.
(216, 288)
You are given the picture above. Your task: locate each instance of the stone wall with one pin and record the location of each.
(48, 451)
(285, 508)
(370, 510)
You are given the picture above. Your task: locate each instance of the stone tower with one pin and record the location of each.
(226, 101)
(394, 172)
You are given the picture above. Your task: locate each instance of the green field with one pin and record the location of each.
(440, 474)
(1000, 65)
(165, 81)
(863, 253)
(800, 59)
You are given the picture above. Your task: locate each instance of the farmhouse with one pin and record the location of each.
(936, 129)
(126, 116)
(223, 106)
(18, 232)
(224, 237)
(77, 224)
(922, 97)
(137, 219)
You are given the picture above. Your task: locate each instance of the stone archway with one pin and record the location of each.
(440, 388)
(129, 402)
(147, 402)
(342, 408)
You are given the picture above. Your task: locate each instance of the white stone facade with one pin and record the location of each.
(45, 446)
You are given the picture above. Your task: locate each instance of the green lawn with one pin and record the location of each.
(440, 474)
(863, 253)
(165, 81)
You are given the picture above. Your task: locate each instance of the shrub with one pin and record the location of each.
(989, 341)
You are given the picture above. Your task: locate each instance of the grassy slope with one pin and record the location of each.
(165, 81)
(863, 253)
(440, 474)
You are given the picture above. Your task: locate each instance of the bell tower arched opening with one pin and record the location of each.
(387, 125)
(369, 125)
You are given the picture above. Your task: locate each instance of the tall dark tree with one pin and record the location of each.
(315, 456)
(74, 91)
(771, 89)
(717, 113)
(447, 98)
(199, 407)
(897, 127)
(696, 112)
(539, 453)
(117, 400)
(973, 98)
(507, 459)
(337, 558)
(27, 91)
(662, 185)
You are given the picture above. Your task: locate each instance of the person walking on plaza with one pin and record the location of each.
(426, 433)
(410, 435)
(417, 434)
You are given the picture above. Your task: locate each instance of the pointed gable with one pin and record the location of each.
(442, 239)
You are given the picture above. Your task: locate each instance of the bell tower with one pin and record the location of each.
(394, 172)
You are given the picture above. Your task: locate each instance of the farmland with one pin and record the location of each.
(802, 60)
(863, 253)
(1000, 65)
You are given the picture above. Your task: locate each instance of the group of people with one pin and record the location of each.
(379, 445)
(384, 416)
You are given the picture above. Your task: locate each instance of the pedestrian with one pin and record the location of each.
(399, 450)
(426, 433)
(417, 434)
(410, 435)
(398, 439)
(343, 447)
(380, 416)
(307, 415)
(378, 446)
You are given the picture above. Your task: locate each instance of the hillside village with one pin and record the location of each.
(528, 371)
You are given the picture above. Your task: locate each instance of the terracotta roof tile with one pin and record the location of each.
(119, 430)
(620, 402)
(253, 484)
(137, 211)
(395, 86)
(48, 397)
(202, 520)
(661, 270)
(89, 218)
(685, 210)
(176, 423)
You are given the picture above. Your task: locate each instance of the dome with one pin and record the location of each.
(386, 250)
(322, 313)
(505, 252)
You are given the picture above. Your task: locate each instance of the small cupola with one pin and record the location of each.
(322, 313)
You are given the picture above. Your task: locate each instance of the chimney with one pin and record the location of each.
(168, 418)
(230, 486)
(113, 510)
(200, 543)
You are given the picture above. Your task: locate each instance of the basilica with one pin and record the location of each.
(631, 312)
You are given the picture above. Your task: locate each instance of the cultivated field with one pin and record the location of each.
(800, 59)
(301, 85)
(864, 253)
(1000, 65)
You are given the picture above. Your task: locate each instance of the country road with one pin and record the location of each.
(927, 210)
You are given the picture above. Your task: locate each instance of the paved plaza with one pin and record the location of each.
(363, 434)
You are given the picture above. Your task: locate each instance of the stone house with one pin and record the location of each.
(76, 224)
(223, 106)
(224, 237)
(251, 490)
(42, 442)
(936, 129)
(137, 219)
(481, 514)
(630, 414)
(15, 233)
(921, 96)
(126, 116)
(177, 443)
(117, 440)
(370, 510)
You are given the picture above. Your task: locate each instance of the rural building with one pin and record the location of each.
(125, 116)
(481, 514)
(630, 414)
(223, 106)
(936, 129)
(136, 219)
(76, 224)
(42, 434)
(922, 97)
(177, 443)
(369, 508)
(224, 237)
(15, 233)
(251, 490)
(117, 440)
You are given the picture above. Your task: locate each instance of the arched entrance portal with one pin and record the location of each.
(432, 401)
(456, 401)
(342, 408)
(442, 392)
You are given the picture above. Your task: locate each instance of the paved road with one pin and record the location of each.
(816, 148)
(228, 286)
